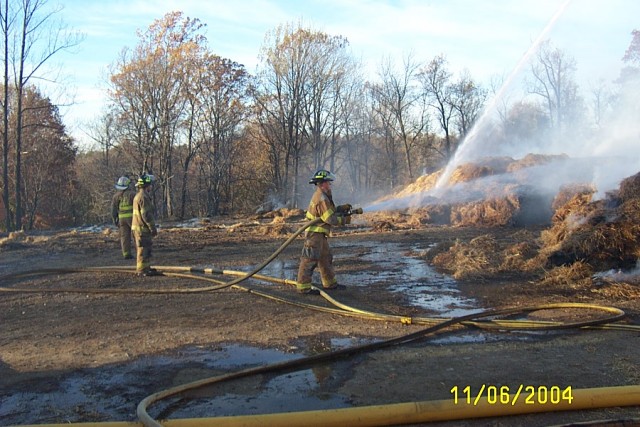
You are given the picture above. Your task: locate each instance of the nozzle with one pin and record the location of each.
(356, 211)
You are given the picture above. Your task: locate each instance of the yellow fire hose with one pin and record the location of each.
(393, 414)
(403, 413)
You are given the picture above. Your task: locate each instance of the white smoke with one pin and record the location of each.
(543, 180)
(617, 275)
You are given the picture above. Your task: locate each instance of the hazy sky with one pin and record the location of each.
(486, 37)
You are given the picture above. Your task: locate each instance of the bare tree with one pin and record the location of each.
(467, 99)
(331, 67)
(435, 80)
(553, 80)
(386, 139)
(279, 97)
(104, 132)
(31, 38)
(354, 114)
(222, 96)
(402, 107)
(6, 24)
(601, 98)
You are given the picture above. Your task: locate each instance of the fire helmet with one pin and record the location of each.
(145, 179)
(123, 183)
(322, 175)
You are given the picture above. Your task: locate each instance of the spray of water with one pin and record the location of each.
(464, 152)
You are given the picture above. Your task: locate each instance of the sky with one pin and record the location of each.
(485, 37)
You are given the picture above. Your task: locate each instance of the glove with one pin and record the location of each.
(344, 219)
(154, 232)
(343, 208)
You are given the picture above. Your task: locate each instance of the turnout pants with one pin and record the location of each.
(125, 236)
(143, 251)
(316, 253)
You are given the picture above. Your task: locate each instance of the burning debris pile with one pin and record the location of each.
(560, 236)
(590, 236)
(586, 236)
(495, 191)
(603, 233)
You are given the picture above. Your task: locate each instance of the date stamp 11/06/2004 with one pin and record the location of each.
(505, 395)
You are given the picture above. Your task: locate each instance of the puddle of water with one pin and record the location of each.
(418, 282)
(421, 285)
(113, 392)
(286, 392)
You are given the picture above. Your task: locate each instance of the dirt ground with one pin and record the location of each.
(46, 337)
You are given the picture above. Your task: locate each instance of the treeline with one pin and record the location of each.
(221, 140)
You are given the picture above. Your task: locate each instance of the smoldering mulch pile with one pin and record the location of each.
(590, 246)
(492, 192)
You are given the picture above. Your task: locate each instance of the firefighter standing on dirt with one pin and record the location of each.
(122, 213)
(316, 250)
(144, 226)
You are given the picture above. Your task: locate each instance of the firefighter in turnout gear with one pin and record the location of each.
(144, 226)
(316, 251)
(122, 213)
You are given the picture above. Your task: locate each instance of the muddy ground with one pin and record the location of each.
(114, 349)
